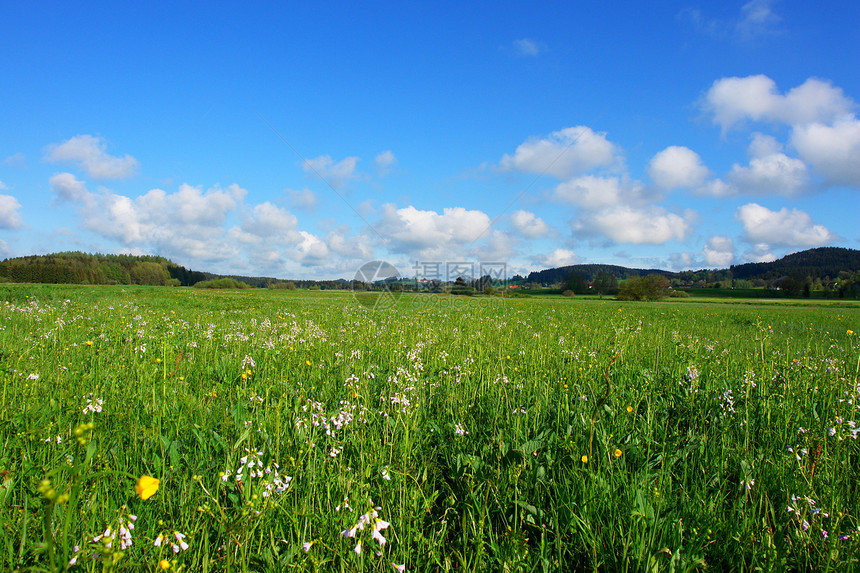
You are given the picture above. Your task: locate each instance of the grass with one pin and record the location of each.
(529, 434)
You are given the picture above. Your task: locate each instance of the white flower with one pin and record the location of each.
(358, 548)
(307, 545)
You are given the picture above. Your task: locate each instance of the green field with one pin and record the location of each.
(288, 429)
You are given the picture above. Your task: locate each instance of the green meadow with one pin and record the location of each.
(151, 429)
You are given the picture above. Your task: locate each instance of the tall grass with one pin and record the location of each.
(488, 435)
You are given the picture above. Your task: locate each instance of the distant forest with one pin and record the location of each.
(825, 271)
(97, 269)
(830, 271)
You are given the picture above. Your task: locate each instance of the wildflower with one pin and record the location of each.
(399, 568)
(164, 564)
(307, 545)
(308, 362)
(617, 453)
(629, 409)
(89, 342)
(584, 459)
(850, 332)
(146, 486)
(358, 548)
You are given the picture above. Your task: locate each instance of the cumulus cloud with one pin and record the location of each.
(783, 228)
(9, 216)
(596, 192)
(90, 153)
(719, 251)
(770, 171)
(834, 150)
(559, 258)
(563, 153)
(756, 98)
(677, 167)
(385, 162)
(652, 225)
(528, 224)
(67, 187)
(335, 174)
(271, 224)
(429, 233)
(527, 47)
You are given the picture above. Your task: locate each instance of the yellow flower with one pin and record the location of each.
(158, 360)
(164, 564)
(146, 487)
(617, 453)
(244, 376)
(182, 378)
(629, 409)
(585, 459)
(850, 332)
(89, 342)
(308, 362)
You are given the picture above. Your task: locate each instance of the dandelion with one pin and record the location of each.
(617, 453)
(164, 564)
(629, 409)
(584, 459)
(146, 487)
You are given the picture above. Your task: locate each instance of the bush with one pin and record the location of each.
(568, 293)
(222, 283)
(651, 287)
(283, 285)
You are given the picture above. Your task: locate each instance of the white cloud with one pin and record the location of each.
(303, 199)
(528, 224)
(757, 18)
(785, 228)
(527, 47)
(9, 216)
(90, 153)
(834, 150)
(497, 246)
(759, 253)
(676, 167)
(385, 162)
(3, 186)
(271, 224)
(682, 261)
(16, 160)
(717, 188)
(719, 251)
(559, 258)
(652, 225)
(596, 192)
(770, 171)
(429, 233)
(563, 153)
(335, 174)
(310, 251)
(68, 188)
(735, 99)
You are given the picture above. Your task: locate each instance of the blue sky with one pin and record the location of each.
(300, 141)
